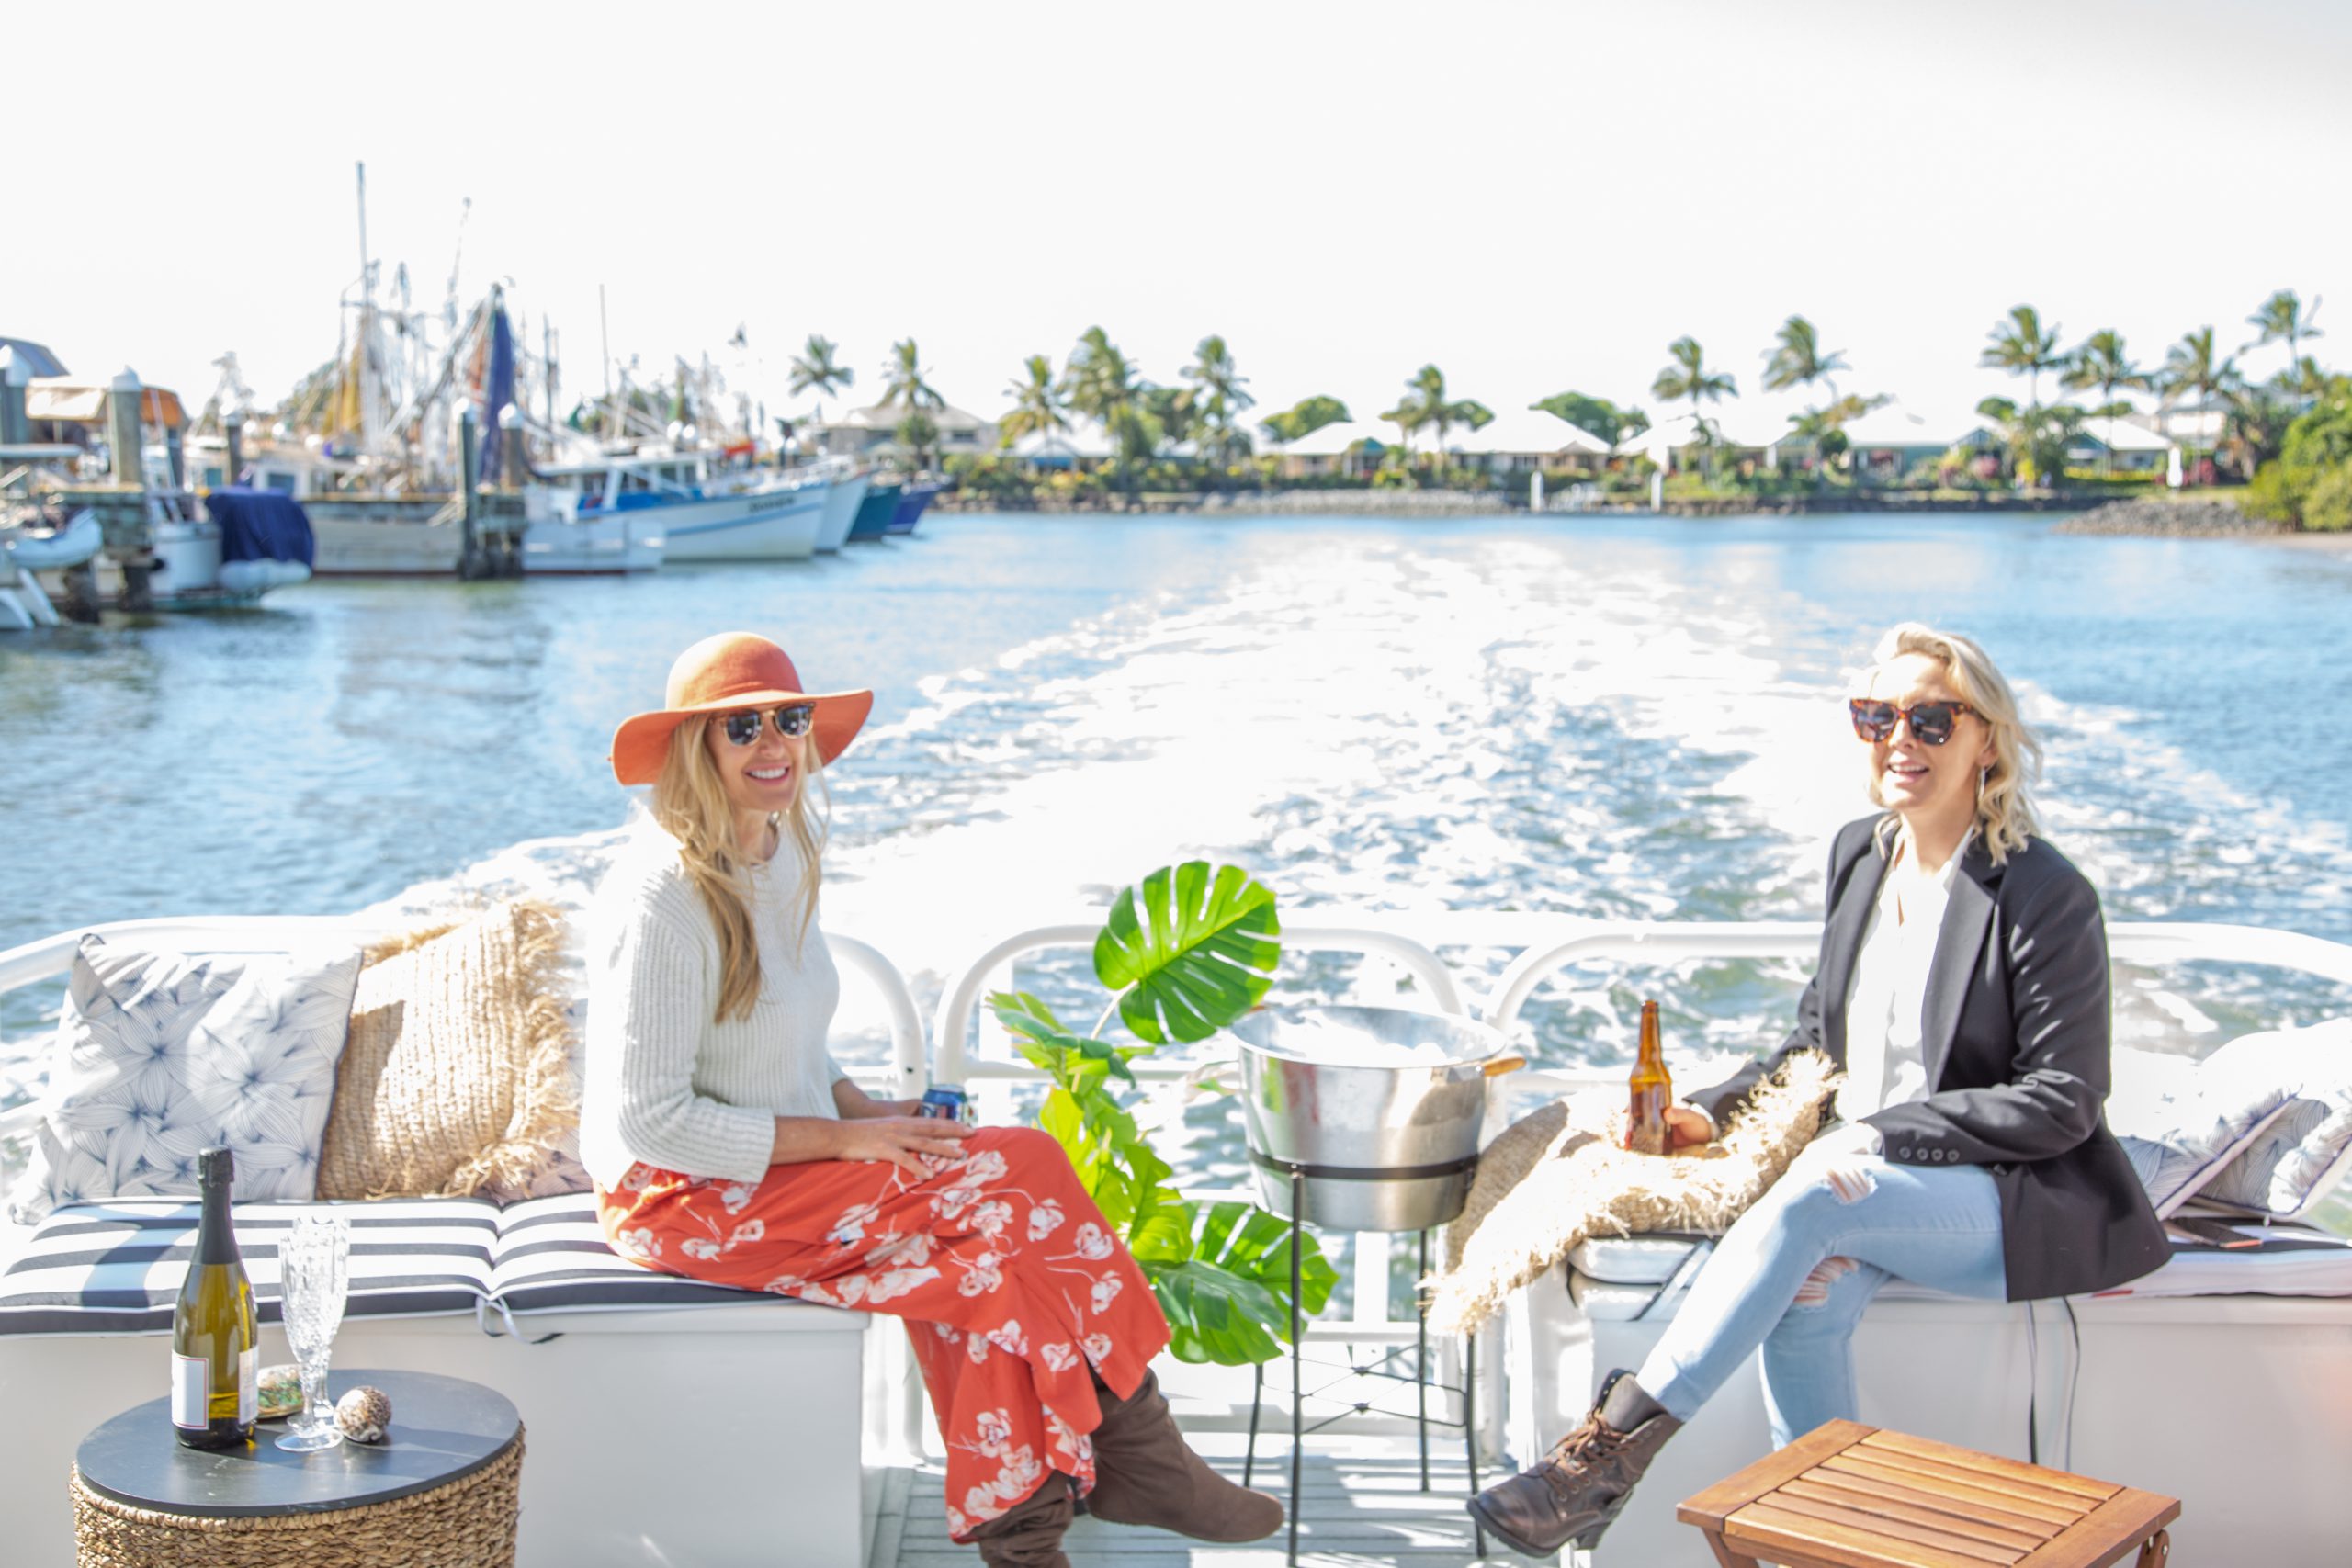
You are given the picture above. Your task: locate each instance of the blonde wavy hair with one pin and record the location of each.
(691, 805)
(2005, 818)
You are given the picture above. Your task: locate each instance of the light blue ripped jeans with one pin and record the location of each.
(1795, 1272)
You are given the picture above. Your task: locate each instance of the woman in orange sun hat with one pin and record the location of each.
(726, 1145)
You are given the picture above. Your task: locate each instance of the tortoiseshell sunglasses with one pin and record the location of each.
(1930, 722)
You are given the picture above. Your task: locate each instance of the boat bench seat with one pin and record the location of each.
(116, 1266)
(594, 1350)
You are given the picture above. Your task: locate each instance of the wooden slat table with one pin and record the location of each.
(1845, 1496)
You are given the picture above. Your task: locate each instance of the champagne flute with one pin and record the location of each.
(313, 1264)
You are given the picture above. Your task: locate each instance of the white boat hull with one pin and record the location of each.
(760, 525)
(840, 512)
(189, 573)
(623, 542)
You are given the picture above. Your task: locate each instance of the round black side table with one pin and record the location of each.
(439, 1492)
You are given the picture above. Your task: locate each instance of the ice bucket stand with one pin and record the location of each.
(1298, 1173)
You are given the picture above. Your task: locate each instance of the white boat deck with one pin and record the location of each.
(1360, 1474)
(1364, 1506)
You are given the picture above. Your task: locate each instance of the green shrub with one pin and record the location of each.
(2309, 484)
(2329, 508)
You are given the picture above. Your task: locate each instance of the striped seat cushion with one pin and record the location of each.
(115, 1268)
(552, 1257)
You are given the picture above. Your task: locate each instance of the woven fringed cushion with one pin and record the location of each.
(456, 1080)
(1558, 1176)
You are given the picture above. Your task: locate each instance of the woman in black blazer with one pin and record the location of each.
(1962, 986)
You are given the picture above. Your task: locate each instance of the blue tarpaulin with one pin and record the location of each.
(261, 524)
(498, 390)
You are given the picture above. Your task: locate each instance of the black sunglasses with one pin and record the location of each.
(792, 721)
(1930, 722)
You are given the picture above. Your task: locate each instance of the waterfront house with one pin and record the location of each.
(1352, 446)
(1521, 441)
(1677, 445)
(873, 432)
(1885, 445)
(2119, 446)
(1084, 446)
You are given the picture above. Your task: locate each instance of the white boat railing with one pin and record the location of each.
(1547, 944)
(52, 957)
(1542, 944)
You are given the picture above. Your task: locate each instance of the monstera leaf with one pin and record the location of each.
(1193, 954)
(1044, 1040)
(1225, 1289)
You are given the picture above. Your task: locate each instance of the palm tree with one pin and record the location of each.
(919, 434)
(1799, 362)
(815, 370)
(2101, 362)
(2190, 367)
(1037, 404)
(2036, 436)
(2304, 379)
(1689, 376)
(2021, 347)
(1428, 405)
(1304, 418)
(2282, 319)
(1597, 417)
(2193, 365)
(1221, 399)
(1099, 379)
(2255, 429)
(1178, 412)
(1825, 426)
(1100, 382)
(907, 387)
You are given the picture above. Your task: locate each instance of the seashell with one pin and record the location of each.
(365, 1415)
(279, 1390)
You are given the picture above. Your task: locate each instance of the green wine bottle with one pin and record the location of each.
(214, 1337)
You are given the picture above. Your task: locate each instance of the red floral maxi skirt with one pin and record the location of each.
(1008, 1276)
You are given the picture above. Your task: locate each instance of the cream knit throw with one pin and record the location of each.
(1556, 1176)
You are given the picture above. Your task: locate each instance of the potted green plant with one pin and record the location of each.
(1186, 952)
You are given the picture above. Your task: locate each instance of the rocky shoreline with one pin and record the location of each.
(2171, 517)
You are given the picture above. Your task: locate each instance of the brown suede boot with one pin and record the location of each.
(1585, 1480)
(1145, 1474)
(1029, 1534)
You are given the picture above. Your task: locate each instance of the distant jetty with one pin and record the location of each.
(2174, 518)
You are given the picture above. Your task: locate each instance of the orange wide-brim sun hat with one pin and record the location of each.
(729, 674)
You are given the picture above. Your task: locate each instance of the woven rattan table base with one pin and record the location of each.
(469, 1523)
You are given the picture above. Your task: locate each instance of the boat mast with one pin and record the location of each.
(605, 341)
(368, 412)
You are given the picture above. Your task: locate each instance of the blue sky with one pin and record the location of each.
(1534, 197)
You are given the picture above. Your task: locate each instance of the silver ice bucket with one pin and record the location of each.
(1380, 1107)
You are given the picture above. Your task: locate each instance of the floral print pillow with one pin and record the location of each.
(160, 1055)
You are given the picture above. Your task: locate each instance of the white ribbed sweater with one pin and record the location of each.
(664, 1082)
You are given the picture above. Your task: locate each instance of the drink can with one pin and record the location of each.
(946, 1102)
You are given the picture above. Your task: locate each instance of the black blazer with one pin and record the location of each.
(2016, 1038)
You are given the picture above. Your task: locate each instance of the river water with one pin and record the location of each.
(1621, 716)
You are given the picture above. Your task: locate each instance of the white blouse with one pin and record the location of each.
(1886, 1004)
(667, 1084)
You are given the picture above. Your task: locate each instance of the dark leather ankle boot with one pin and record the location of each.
(1145, 1474)
(1029, 1534)
(1585, 1480)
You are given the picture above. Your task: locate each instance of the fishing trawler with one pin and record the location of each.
(700, 518)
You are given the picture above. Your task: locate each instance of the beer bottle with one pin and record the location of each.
(1652, 1092)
